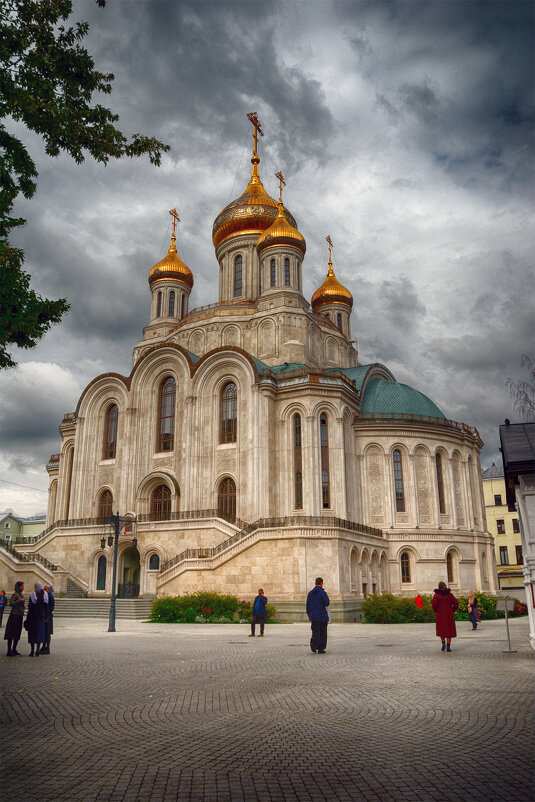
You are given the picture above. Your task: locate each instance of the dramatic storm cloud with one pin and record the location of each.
(404, 130)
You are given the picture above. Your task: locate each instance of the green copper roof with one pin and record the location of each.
(356, 375)
(390, 400)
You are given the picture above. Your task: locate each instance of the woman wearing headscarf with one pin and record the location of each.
(35, 620)
(445, 604)
(473, 612)
(49, 623)
(14, 622)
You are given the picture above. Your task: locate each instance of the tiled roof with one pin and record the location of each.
(392, 399)
(494, 472)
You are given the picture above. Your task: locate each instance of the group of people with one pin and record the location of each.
(39, 621)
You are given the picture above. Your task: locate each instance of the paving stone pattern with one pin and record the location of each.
(198, 712)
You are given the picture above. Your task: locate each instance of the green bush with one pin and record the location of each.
(204, 606)
(385, 608)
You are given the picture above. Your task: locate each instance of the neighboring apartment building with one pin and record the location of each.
(21, 530)
(505, 528)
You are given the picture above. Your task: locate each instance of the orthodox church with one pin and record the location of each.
(249, 447)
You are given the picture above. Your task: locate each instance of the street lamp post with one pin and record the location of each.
(118, 521)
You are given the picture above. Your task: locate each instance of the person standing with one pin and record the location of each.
(317, 603)
(14, 622)
(473, 611)
(3, 602)
(35, 620)
(445, 604)
(259, 613)
(49, 623)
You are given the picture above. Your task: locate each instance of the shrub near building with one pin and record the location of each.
(385, 608)
(204, 607)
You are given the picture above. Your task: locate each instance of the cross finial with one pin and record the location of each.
(282, 183)
(176, 219)
(330, 242)
(253, 118)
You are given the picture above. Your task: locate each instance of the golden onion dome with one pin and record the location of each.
(281, 232)
(171, 267)
(331, 292)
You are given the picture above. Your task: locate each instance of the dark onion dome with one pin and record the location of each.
(391, 399)
(281, 232)
(331, 292)
(171, 267)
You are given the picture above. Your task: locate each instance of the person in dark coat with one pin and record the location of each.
(35, 620)
(259, 613)
(3, 602)
(49, 623)
(14, 622)
(445, 604)
(317, 603)
(473, 611)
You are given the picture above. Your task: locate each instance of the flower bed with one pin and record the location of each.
(204, 607)
(385, 608)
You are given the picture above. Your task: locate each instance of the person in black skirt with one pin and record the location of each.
(49, 623)
(14, 622)
(35, 620)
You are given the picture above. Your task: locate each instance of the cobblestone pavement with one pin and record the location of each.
(202, 712)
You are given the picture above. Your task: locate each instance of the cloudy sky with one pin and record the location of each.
(404, 130)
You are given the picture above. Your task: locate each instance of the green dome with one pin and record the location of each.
(389, 399)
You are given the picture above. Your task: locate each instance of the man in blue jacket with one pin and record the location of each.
(259, 613)
(317, 603)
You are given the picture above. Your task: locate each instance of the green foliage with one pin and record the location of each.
(203, 607)
(487, 608)
(385, 608)
(47, 82)
(245, 611)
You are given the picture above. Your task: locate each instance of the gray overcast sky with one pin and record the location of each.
(404, 130)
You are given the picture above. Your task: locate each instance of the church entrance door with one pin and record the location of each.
(129, 573)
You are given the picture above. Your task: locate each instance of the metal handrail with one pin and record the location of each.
(23, 557)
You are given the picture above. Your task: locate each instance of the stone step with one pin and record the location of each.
(74, 590)
(100, 608)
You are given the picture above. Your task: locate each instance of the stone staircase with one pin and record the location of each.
(100, 608)
(74, 591)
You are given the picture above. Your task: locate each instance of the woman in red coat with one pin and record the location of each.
(445, 604)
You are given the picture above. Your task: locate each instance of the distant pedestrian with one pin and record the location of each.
(445, 604)
(3, 602)
(317, 603)
(259, 613)
(35, 619)
(419, 601)
(14, 622)
(473, 610)
(49, 622)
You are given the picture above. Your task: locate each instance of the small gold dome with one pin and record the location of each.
(331, 292)
(281, 232)
(171, 267)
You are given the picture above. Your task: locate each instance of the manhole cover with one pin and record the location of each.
(384, 645)
(300, 645)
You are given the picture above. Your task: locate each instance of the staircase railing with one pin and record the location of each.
(27, 558)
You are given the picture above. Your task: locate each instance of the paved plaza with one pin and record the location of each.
(202, 712)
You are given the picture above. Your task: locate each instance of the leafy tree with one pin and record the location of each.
(523, 392)
(47, 81)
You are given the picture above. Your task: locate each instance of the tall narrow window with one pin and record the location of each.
(229, 413)
(159, 305)
(226, 500)
(440, 484)
(166, 421)
(449, 566)
(183, 312)
(154, 562)
(172, 303)
(405, 567)
(105, 506)
(324, 444)
(518, 555)
(238, 265)
(110, 432)
(339, 321)
(398, 482)
(160, 506)
(504, 555)
(286, 272)
(273, 272)
(298, 464)
(101, 573)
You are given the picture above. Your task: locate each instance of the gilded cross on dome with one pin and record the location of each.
(253, 118)
(330, 242)
(282, 183)
(176, 219)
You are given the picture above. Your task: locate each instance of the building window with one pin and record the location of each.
(154, 562)
(273, 271)
(398, 482)
(110, 432)
(159, 305)
(440, 484)
(298, 463)
(160, 506)
(229, 413)
(166, 421)
(324, 444)
(498, 500)
(238, 265)
(105, 506)
(172, 303)
(500, 523)
(226, 500)
(516, 526)
(101, 573)
(449, 566)
(339, 321)
(183, 312)
(504, 555)
(286, 272)
(519, 556)
(405, 567)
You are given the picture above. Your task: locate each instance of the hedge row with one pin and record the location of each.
(385, 608)
(204, 607)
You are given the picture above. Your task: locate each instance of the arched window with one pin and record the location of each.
(286, 272)
(154, 562)
(226, 500)
(449, 567)
(159, 305)
(238, 264)
(298, 463)
(398, 482)
(440, 484)
(229, 413)
(324, 446)
(110, 432)
(105, 505)
(166, 416)
(273, 272)
(183, 307)
(405, 567)
(160, 505)
(339, 321)
(101, 573)
(172, 303)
